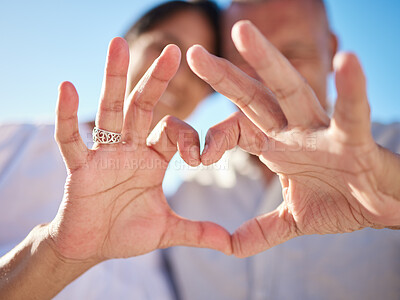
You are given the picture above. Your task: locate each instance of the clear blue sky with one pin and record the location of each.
(46, 42)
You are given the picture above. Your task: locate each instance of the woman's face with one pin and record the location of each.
(185, 90)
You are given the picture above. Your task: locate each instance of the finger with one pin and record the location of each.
(184, 232)
(145, 95)
(296, 98)
(237, 130)
(110, 113)
(172, 134)
(251, 96)
(263, 232)
(351, 118)
(67, 134)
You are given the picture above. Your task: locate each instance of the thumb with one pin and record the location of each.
(184, 232)
(264, 232)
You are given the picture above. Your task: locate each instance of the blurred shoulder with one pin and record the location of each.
(387, 135)
(22, 133)
(26, 142)
(15, 137)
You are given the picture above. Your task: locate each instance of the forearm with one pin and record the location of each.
(34, 270)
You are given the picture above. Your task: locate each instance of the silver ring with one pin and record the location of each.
(105, 137)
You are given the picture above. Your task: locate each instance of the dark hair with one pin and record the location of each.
(166, 10)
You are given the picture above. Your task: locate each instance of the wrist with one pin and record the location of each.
(35, 270)
(390, 173)
(67, 267)
(388, 187)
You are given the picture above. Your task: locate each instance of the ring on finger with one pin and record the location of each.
(102, 136)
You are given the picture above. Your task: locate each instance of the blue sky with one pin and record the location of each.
(46, 42)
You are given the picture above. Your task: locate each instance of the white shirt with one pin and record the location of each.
(360, 265)
(32, 177)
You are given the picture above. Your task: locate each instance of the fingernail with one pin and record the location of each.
(201, 48)
(194, 152)
(198, 62)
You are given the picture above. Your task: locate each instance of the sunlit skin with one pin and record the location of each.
(345, 181)
(185, 90)
(121, 192)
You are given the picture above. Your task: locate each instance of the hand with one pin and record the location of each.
(113, 202)
(341, 183)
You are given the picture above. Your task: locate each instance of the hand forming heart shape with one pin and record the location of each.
(112, 212)
(342, 183)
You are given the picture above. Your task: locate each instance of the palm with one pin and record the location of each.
(319, 183)
(114, 205)
(119, 201)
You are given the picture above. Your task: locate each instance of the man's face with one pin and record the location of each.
(298, 28)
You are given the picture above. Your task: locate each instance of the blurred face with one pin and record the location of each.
(298, 29)
(185, 90)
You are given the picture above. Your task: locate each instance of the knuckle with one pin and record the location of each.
(146, 106)
(159, 79)
(237, 246)
(70, 139)
(114, 106)
(169, 120)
